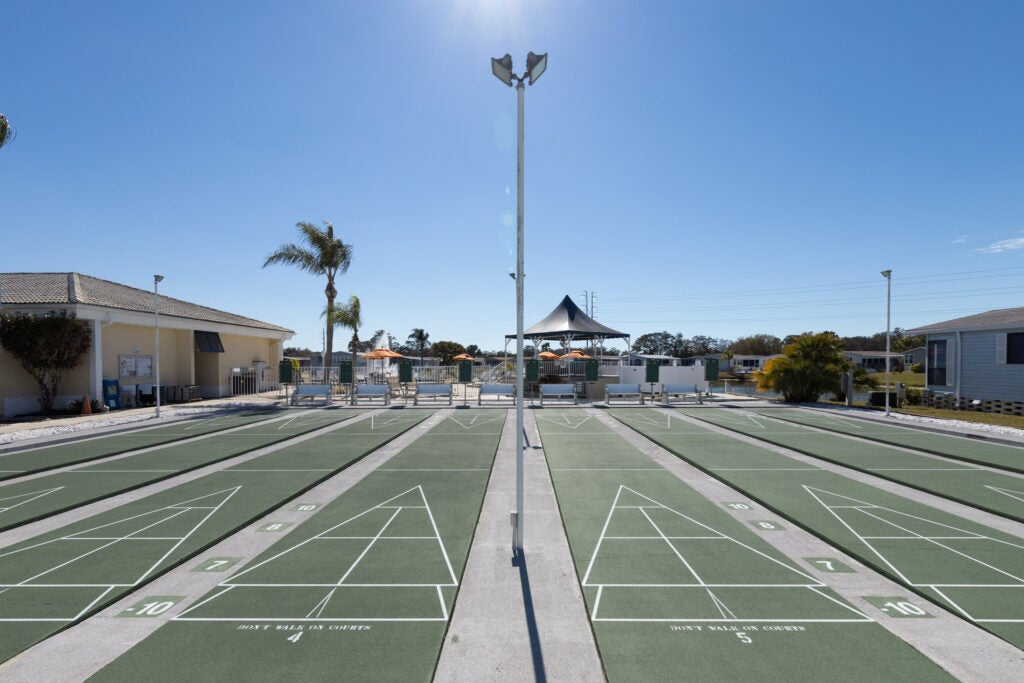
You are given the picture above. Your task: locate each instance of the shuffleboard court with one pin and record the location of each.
(972, 570)
(54, 580)
(996, 492)
(22, 462)
(678, 588)
(28, 501)
(1003, 456)
(362, 591)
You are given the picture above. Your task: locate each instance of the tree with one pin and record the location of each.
(7, 132)
(296, 352)
(46, 347)
(757, 345)
(655, 343)
(325, 255)
(901, 341)
(420, 340)
(812, 365)
(702, 345)
(474, 351)
(446, 351)
(351, 317)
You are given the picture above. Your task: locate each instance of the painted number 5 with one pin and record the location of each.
(744, 638)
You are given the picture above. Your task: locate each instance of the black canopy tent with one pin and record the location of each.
(567, 323)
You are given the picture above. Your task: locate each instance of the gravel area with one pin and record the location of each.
(21, 431)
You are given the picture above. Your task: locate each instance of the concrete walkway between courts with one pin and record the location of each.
(524, 619)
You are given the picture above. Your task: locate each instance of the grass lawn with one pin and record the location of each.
(911, 379)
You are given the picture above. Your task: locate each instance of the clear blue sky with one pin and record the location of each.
(715, 168)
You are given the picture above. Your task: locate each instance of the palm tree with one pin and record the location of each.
(419, 337)
(351, 317)
(325, 255)
(7, 132)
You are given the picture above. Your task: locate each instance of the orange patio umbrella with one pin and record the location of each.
(382, 353)
(575, 353)
(463, 356)
(547, 355)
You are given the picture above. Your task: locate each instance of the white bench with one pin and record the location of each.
(371, 392)
(685, 392)
(312, 392)
(432, 391)
(558, 391)
(497, 390)
(627, 391)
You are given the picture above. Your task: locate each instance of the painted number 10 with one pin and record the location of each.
(903, 608)
(152, 609)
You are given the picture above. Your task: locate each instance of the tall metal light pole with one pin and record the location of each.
(502, 69)
(887, 274)
(157, 279)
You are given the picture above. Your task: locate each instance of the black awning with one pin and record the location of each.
(208, 342)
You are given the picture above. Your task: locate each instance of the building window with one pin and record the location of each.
(208, 342)
(1015, 348)
(937, 363)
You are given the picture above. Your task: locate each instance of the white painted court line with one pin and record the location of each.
(889, 516)
(331, 534)
(22, 498)
(807, 582)
(172, 511)
(1016, 495)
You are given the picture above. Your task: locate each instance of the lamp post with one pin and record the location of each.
(157, 279)
(887, 274)
(502, 69)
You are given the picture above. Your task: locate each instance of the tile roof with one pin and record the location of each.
(67, 289)
(999, 318)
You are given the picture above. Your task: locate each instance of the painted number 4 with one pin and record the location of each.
(295, 638)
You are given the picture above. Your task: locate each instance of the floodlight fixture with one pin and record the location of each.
(502, 68)
(536, 65)
(886, 274)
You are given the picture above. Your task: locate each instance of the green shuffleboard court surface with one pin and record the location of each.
(678, 589)
(59, 578)
(972, 570)
(996, 492)
(363, 590)
(28, 501)
(1003, 456)
(25, 462)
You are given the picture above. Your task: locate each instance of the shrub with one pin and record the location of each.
(917, 367)
(75, 407)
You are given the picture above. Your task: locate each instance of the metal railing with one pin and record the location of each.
(241, 381)
(250, 381)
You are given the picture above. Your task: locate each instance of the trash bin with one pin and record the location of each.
(112, 394)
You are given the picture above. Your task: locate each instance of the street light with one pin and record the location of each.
(887, 274)
(157, 279)
(502, 69)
